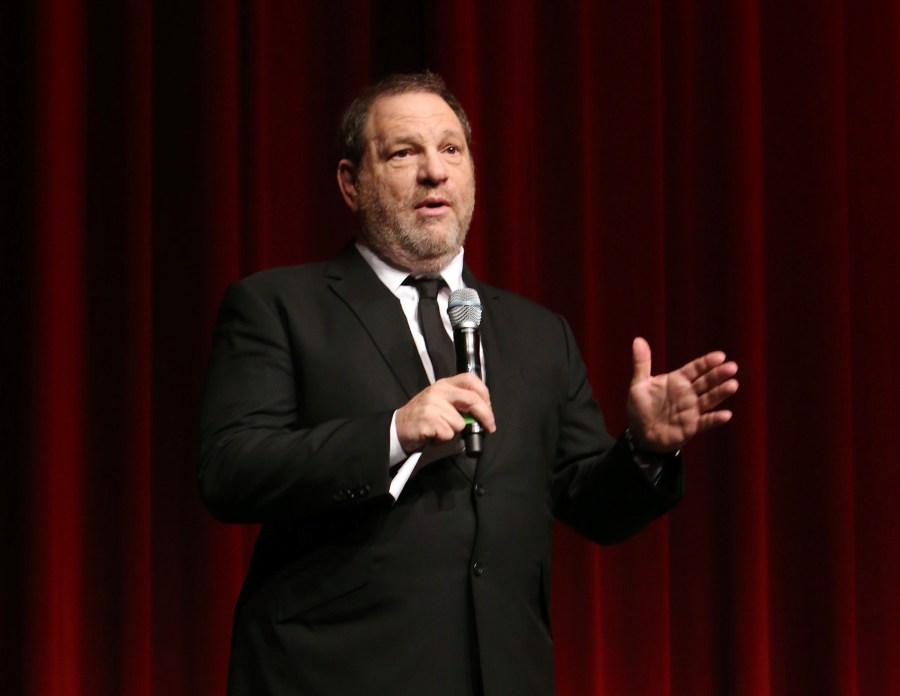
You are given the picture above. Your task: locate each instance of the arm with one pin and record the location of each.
(598, 489)
(610, 498)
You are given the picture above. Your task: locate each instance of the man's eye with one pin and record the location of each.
(452, 150)
(400, 154)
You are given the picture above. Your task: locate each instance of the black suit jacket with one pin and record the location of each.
(348, 591)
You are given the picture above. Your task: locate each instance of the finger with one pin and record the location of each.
(429, 415)
(713, 419)
(700, 366)
(447, 397)
(471, 402)
(715, 377)
(708, 401)
(449, 426)
(484, 415)
(442, 423)
(466, 380)
(640, 355)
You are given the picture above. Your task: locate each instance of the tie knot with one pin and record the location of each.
(428, 287)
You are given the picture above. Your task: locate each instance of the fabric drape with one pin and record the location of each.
(704, 174)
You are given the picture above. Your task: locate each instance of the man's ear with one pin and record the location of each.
(346, 177)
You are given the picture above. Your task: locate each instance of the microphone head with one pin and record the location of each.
(464, 308)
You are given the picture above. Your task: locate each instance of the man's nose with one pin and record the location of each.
(432, 168)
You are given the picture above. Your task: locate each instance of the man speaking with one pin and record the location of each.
(389, 561)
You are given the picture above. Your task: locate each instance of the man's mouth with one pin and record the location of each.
(431, 206)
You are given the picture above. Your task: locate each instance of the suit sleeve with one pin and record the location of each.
(598, 489)
(257, 463)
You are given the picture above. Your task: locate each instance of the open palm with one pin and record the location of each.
(665, 411)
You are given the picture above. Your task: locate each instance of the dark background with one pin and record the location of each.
(706, 174)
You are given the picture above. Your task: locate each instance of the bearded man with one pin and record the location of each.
(389, 562)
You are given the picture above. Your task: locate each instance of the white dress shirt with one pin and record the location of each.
(409, 301)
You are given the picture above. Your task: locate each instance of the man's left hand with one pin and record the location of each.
(665, 411)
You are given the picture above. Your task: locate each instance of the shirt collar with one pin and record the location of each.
(393, 277)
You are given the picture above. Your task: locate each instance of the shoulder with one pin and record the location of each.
(506, 305)
(526, 332)
(271, 295)
(302, 281)
(280, 280)
(275, 293)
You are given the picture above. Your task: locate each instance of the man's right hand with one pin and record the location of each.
(434, 414)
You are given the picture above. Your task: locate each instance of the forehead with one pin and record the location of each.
(416, 113)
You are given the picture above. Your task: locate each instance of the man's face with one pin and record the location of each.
(414, 190)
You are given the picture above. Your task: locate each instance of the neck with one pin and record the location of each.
(411, 264)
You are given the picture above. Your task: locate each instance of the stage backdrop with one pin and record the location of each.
(702, 173)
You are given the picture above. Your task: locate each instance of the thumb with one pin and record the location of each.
(640, 354)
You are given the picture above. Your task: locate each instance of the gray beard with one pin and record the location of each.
(409, 247)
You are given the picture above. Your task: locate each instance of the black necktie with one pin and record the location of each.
(438, 343)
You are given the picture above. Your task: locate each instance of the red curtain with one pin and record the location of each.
(706, 174)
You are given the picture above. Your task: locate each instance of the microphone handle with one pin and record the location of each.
(467, 342)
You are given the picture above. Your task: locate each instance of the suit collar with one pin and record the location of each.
(393, 277)
(378, 310)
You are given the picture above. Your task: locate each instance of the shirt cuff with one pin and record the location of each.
(402, 474)
(396, 453)
(651, 464)
(401, 464)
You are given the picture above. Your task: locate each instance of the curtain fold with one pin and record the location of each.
(704, 175)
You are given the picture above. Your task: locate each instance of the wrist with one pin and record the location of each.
(643, 453)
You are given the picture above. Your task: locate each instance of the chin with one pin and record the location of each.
(416, 248)
(430, 262)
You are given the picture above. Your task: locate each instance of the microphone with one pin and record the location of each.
(465, 310)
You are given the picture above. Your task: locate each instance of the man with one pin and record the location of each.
(389, 562)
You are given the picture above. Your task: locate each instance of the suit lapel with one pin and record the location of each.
(378, 310)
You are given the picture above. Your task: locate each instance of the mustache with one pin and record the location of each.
(422, 196)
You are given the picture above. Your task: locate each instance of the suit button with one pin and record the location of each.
(479, 490)
(351, 494)
(362, 491)
(478, 569)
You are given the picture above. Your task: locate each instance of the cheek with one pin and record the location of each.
(397, 188)
(466, 178)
